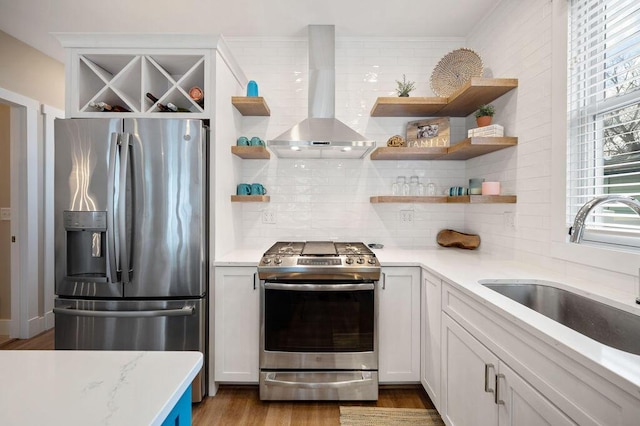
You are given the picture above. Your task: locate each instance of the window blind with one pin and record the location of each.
(603, 155)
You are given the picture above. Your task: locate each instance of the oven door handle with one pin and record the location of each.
(271, 379)
(318, 287)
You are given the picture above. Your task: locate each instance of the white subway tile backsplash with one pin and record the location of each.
(329, 199)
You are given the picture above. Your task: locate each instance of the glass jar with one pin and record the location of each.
(414, 183)
(395, 188)
(431, 189)
(402, 186)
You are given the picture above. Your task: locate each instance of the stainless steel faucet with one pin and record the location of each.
(577, 230)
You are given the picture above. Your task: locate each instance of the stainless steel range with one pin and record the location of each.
(319, 310)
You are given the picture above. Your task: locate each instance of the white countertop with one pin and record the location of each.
(464, 268)
(93, 387)
(249, 257)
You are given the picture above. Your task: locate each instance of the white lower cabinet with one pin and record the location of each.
(479, 389)
(489, 357)
(236, 316)
(520, 404)
(399, 325)
(431, 312)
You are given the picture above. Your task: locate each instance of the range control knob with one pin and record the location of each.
(267, 261)
(277, 261)
(372, 260)
(349, 260)
(361, 260)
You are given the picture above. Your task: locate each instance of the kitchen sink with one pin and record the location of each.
(606, 324)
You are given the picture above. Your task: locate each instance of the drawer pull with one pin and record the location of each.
(497, 397)
(487, 367)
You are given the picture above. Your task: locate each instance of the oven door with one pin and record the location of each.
(319, 325)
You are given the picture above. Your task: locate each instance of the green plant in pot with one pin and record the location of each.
(405, 87)
(484, 115)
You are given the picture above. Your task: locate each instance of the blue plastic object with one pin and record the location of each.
(252, 88)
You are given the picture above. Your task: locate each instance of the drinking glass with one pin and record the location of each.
(431, 189)
(403, 186)
(414, 181)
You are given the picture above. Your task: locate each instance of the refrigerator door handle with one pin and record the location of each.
(123, 235)
(182, 312)
(112, 257)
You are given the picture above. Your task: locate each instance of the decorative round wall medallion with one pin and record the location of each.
(454, 70)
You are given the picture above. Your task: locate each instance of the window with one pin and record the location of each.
(604, 116)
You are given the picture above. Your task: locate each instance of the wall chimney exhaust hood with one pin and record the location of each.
(321, 135)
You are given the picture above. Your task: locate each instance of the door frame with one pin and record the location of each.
(49, 115)
(24, 210)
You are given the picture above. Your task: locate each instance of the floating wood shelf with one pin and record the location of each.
(408, 107)
(251, 105)
(251, 152)
(399, 153)
(477, 146)
(250, 198)
(483, 199)
(463, 150)
(407, 199)
(466, 100)
(464, 199)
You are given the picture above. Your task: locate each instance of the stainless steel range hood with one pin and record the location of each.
(321, 135)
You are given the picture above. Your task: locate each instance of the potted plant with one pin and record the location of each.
(404, 87)
(484, 114)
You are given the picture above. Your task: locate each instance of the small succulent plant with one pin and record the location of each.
(405, 87)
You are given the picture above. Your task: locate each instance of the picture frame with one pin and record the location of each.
(432, 132)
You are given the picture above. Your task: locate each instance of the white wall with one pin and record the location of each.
(329, 199)
(524, 40)
(515, 41)
(225, 230)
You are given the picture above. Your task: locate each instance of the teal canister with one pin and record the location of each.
(252, 88)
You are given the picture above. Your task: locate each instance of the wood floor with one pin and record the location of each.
(241, 405)
(4, 339)
(43, 341)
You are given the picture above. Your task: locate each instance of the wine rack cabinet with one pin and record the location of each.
(120, 69)
(124, 80)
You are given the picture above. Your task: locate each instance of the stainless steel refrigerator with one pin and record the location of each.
(131, 234)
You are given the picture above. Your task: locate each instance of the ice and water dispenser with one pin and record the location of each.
(86, 245)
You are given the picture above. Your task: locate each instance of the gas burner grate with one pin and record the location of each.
(352, 249)
(293, 248)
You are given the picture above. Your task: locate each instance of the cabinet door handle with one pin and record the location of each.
(255, 276)
(488, 367)
(497, 397)
(384, 281)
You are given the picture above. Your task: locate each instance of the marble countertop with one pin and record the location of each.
(464, 268)
(93, 387)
